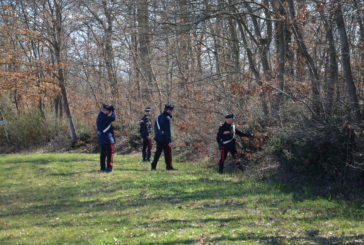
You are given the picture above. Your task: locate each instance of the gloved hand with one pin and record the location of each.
(220, 147)
(251, 136)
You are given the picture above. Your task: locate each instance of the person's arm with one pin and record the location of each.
(241, 134)
(219, 137)
(142, 127)
(111, 117)
(107, 120)
(156, 126)
(98, 122)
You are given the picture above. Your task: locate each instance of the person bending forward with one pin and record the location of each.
(226, 140)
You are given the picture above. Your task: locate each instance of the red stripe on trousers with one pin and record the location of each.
(112, 154)
(150, 144)
(170, 156)
(222, 155)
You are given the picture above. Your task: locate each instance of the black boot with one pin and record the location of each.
(221, 168)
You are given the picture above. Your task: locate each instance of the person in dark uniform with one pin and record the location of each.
(106, 137)
(226, 141)
(163, 137)
(145, 133)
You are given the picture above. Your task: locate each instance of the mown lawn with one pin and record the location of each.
(63, 199)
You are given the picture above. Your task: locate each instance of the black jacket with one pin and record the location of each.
(145, 126)
(163, 127)
(226, 134)
(105, 129)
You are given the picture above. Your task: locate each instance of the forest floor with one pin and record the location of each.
(63, 199)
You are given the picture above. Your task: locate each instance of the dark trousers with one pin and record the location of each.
(225, 149)
(163, 146)
(106, 153)
(147, 148)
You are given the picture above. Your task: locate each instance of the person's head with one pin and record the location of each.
(169, 109)
(148, 111)
(229, 119)
(107, 109)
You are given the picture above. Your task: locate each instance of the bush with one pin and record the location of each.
(128, 138)
(29, 130)
(325, 152)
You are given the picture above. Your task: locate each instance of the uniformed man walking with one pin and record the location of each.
(226, 141)
(106, 137)
(163, 137)
(145, 133)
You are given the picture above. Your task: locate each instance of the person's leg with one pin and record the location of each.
(224, 152)
(144, 150)
(168, 155)
(157, 155)
(149, 150)
(102, 157)
(110, 156)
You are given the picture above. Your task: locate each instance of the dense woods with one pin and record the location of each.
(286, 68)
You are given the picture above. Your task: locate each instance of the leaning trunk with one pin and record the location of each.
(345, 53)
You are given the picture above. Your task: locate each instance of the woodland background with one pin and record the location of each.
(292, 72)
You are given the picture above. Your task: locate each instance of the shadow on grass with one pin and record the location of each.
(310, 187)
(74, 173)
(69, 199)
(132, 170)
(60, 198)
(161, 226)
(44, 160)
(272, 240)
(306, 186)
(57, 199)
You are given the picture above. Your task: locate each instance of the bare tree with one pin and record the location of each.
(56, 34)
(346, 63)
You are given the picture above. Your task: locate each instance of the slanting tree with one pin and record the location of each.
(56, 13)
(346, 63)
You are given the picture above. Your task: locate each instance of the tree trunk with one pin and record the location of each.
(281, 47)
(346, 63)
(252, 66)
(263, 47)
(62, 85)
(360, 19)
(332, 69)
(315, 78)
(109, 53)
(134, 51)
(144, 48)
(184, 47)
(58, 45)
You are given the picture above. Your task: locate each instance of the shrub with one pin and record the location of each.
(127, 138)
(31, 130)
(324, 152)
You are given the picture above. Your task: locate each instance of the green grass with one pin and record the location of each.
(63, 199)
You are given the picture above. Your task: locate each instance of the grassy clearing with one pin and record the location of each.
(63, 199)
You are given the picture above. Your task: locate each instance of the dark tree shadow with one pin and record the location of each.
(274, 240)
